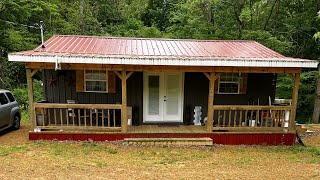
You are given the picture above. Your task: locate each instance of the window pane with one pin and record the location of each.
(228, 88)
(10, 96)
(3, 99)
(230, 77)
(154, 86)
(173, 94)
(96, 86)
(96, 75)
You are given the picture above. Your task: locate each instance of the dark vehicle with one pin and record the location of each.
(9, 111)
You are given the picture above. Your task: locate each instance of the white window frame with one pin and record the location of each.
(95, 80)
(232, 81)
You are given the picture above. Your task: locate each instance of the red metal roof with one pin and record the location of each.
(146, 47)
(151, 51)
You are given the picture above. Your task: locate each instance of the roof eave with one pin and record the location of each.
(239, 62)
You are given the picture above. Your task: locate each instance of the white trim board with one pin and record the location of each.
(239, 62)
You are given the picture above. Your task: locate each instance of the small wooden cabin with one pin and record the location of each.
(109, 88)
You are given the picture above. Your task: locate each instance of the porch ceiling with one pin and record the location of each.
(169, 52)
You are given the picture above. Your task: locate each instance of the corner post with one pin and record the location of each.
(210, 102)
(30, 95)
(295, 91)
(124, 123)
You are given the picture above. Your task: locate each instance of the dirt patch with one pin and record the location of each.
(11, 137)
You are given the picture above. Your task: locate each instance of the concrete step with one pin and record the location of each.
(170, 141)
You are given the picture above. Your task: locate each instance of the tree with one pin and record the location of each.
(316, 110)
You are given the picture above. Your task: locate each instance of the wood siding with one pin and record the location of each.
(195, 92)
(196, 89)
(62, 91)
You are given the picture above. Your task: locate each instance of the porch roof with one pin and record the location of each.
(151, 51)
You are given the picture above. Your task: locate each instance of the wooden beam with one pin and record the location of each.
(217, 76)
(33, 72)
(295, 91)
(129, 74)
(78, 106)
(118, 74)
(210, 102)
(112, 67)
(30, 96)
(207, 75)
(124, 121)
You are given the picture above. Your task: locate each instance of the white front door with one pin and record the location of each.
(163, 97)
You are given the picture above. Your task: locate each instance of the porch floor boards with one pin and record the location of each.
(175, 129)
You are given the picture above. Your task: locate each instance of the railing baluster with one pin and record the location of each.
(102, 117)
(114, 118)
(277, 118)
(224, 118)
(85, 117)
(272, 118)
(240, 119)
(246, 118)
(49, 117)
(90, 117)
(235, 118)
(257, 117)
(72, 116)
(261, 118)
(55, 116)
(97, 117)
(67, 117)
(229, 123)
(42, 114)
(108, 117)
(79, 118)
(219, 118)
(250, 123)
(283, 118)
(61, 119)
(267, 118)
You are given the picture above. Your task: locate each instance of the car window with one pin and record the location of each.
(10, 96)
(3, 99)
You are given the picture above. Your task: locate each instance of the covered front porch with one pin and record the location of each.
(113, 118)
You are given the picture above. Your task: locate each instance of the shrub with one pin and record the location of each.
(21, 93)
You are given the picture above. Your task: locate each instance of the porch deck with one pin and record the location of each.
(236, 137)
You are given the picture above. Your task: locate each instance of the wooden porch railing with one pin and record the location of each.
(77, 116)
(251, 117)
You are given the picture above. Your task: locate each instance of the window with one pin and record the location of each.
(3, 99)
(10, 96)
(96, 81)
(229, 83)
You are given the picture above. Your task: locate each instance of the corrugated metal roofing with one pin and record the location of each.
(116, 50)
(143, 47)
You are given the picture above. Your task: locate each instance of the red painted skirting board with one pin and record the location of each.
(218, 138)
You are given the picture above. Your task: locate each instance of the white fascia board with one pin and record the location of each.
(167, 61)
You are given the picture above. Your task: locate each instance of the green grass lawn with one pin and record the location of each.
(24, 159)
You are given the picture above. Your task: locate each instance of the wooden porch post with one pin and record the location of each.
(30, 95)
(211, 77)
(124, 123)
(295, 91)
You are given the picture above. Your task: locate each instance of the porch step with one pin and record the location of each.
(170, 141)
